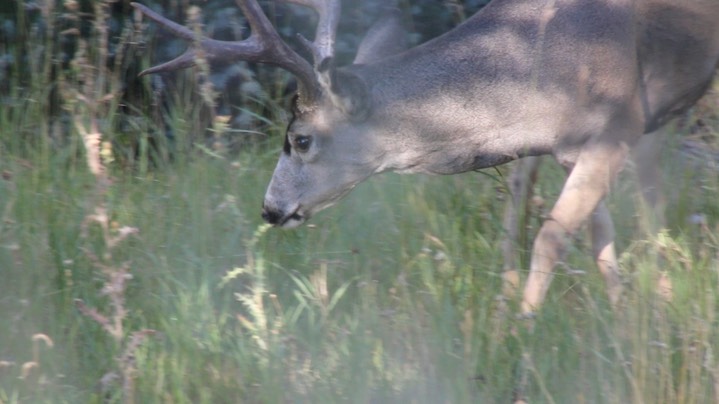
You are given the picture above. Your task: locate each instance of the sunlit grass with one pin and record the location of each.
(391, 296)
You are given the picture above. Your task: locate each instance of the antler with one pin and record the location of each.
(329, 16)
(264, 44)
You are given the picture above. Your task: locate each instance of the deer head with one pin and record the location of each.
(326, 152)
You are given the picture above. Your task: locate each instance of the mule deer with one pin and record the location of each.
(580, 80)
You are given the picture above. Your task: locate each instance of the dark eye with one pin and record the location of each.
(302, 143)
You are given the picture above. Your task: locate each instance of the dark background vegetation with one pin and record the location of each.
(49, 34)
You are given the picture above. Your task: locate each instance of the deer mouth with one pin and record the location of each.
(292, 220)
(278, 218)
(298, 213)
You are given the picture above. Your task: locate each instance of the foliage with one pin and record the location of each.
(392, 296)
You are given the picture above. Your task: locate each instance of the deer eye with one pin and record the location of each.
(302, 143)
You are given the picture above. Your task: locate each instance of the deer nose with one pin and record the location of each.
(272, 216)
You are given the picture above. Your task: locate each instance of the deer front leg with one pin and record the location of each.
(520, 183)
(645, 156)
(602, 229)
(584, 189)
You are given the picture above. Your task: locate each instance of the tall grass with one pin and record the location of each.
(392, 296)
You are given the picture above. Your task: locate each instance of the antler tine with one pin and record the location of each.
(323, 46)
(264, 45)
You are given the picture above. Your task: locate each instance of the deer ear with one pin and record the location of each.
(346, 90)
(386, 37)
(350, 94)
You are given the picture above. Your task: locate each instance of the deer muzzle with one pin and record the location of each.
(281, 218)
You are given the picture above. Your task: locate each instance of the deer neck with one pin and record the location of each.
(457, 117)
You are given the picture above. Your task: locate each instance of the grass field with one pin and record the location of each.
(163, 285)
